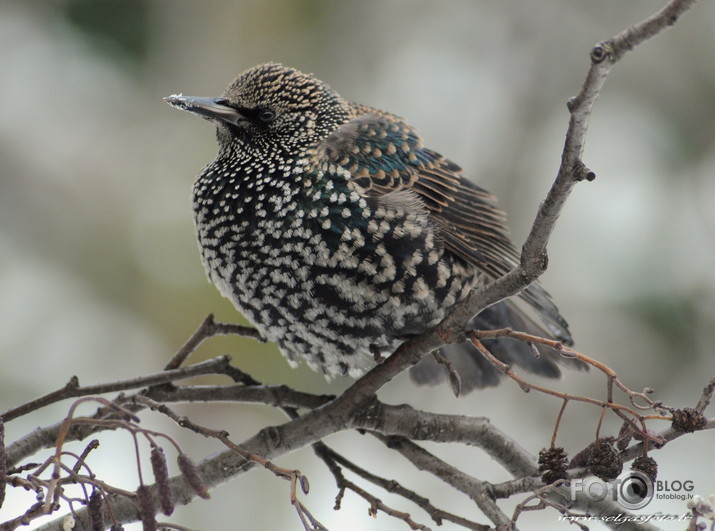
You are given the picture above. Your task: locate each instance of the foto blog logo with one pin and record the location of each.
(632, 489)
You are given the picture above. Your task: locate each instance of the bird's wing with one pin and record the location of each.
(384, 155)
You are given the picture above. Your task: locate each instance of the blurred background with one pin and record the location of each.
(100, 274)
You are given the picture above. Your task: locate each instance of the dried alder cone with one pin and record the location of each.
(604, 461)
(553, 464)
(647, 465)
(688, 420)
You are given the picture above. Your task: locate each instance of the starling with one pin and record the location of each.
(338, 234)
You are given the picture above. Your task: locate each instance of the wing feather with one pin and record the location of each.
(384, 155)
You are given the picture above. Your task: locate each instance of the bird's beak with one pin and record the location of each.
(212, 109)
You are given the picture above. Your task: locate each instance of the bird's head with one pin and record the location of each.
(270, 106)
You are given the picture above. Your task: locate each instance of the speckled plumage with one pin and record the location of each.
(336, 232)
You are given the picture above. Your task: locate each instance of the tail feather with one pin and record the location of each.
(539, 299)
(476, 372)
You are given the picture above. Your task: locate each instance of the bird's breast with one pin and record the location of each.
(318, 250)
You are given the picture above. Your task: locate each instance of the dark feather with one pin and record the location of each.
(475, 371)
(384, 155)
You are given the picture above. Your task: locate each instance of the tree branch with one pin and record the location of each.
(478, 491)
(357, 407)
(334, 460)
(218, 365)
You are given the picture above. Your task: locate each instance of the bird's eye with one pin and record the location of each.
(266, 116)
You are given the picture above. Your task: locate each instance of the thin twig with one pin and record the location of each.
(707, 395)
(542, 495)
(295, 477)
(333, 458)
(209, 328)
(219, 365)
(220, 435)
(329, 458)
(93, 445)
(571, 353)
(525, 384)
(421, 459)
(558, 421)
